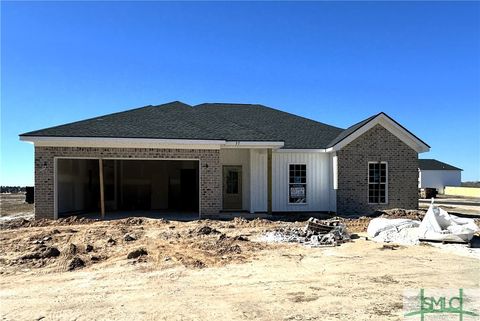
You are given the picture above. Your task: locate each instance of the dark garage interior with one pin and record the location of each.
(129, 186)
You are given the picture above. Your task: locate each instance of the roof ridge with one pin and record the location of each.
(305, 118)
(173, 102)
(244, 104)
(275, 109)
(239, 124)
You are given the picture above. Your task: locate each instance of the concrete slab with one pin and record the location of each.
(166, 215)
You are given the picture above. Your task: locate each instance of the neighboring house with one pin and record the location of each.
(435, 174)
(213, 157)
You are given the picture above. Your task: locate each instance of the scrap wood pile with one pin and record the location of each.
(316, 233)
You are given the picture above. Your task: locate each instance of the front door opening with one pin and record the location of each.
(232, 187)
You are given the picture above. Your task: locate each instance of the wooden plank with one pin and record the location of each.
(269, 181)
(102, 196)
(321, 227)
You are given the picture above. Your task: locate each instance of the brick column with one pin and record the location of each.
(44, 180)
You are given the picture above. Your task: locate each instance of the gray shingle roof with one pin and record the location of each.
(433, 164)
(209, 121)
(350, 130)
(170, 121)
(176, 120)
(295, 131)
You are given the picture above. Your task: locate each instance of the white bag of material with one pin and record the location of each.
(405, 236)
(438, 225)
(380, 224)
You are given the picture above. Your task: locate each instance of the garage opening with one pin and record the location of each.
(130, 187)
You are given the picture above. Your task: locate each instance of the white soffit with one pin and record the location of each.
(144, 143)
(290, 150)
(122, 142)
(250, 144)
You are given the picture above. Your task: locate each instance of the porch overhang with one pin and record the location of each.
(253, 145)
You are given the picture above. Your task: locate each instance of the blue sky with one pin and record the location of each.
(335, 62)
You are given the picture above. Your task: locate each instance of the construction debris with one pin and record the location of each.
(437, 225)
(316, 233)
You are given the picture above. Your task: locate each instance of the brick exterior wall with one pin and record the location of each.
(377, 144)
(210, 172)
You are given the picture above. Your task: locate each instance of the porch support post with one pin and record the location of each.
(269, 181)
(102, 196)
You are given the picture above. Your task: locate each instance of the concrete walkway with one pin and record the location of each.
(463, 206)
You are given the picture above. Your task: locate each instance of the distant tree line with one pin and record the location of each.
(471, 184)
(12, 189)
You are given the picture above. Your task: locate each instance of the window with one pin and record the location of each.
(232, 182)
(377, 182)
(297, 187)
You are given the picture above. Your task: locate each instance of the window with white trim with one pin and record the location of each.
(377, 182)
(297, 183)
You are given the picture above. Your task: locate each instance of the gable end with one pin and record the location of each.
(389, 124)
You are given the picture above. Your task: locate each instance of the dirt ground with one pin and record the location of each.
(13, 206)
(78, 269)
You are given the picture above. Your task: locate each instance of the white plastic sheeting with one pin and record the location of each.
(438, 225)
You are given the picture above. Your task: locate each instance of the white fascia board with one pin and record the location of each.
(287, 150)
(253, 145)
(439, 170)
(389, 125)
(335, 171)
(122, 142)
